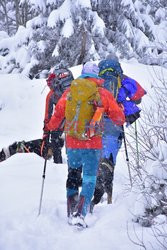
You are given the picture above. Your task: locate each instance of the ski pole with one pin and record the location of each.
(127, 158)
(137, 148)
(43, 177)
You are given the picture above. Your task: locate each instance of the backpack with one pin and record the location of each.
(110, 70)
(80, 107)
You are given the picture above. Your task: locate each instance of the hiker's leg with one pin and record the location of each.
(57, 144)
(90, 162)
(17, 147)
(38, 147)
(108, 175)
(33, 146)
(74, 179)
(99, 190)
(111, 146)
(103, 183)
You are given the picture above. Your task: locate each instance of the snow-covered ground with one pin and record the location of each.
(21, 117)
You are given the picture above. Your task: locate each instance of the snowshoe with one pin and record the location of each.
(78, 221)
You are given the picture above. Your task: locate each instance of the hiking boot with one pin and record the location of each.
(92, 204)
(109, 198)
(8, 151)
(78, 221)
(71, 204)
(2, 156)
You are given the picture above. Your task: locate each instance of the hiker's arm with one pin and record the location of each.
(114, 112)
(58, 115)
(48, 107)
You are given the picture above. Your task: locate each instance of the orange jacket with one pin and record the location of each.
(51, 100)
(110, 106)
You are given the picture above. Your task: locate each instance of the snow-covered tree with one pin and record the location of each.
(68, 32)
(149, 162)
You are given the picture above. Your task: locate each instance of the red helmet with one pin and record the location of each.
(50, 80)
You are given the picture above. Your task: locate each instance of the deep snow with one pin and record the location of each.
(21, 117)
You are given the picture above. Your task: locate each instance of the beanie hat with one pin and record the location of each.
(90, 68)
(110, 66)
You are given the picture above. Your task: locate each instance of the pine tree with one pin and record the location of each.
(71, 32)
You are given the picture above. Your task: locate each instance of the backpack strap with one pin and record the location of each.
(96, 120)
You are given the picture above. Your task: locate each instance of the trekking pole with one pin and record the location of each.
(43, 89)
(43, 179)
(127, 158)
(137, 148)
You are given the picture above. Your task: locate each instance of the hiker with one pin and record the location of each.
(83, 105)
(57, 81)
(128, 93)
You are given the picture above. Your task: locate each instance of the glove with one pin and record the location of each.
(45, 128)
(46, 148)
(132, 118)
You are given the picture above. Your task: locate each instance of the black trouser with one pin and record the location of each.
(104, 182)
(57, 143)
(34, 146)
(74, 181)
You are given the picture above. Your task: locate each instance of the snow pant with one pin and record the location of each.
(111, 146)
(104, 183)
(57, 143)
(87, 161)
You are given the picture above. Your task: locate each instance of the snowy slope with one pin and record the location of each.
(21, 117)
